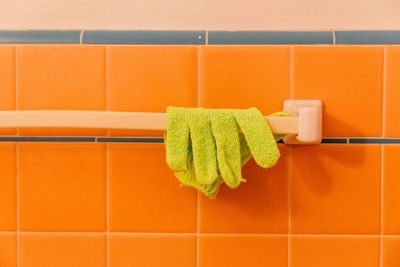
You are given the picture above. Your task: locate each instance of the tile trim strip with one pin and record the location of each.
(334, 141)
(136, 37)
(374, 140)
(367, 37)
(130, 139)
(39, 37)
(144, 37)
(270, 37)
(93, 139)
(46, 139)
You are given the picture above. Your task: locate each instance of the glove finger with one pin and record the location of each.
(204, 148)
(177, 141)
(226, 136)
(258, 136)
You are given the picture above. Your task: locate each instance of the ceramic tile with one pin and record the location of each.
(144, 194)
(337, 186)
(244, 76)
(61, 78)
(391, 252)
(62, 250)
(8, 250)
(8, 188)
(238, 251)
(7, 82)
(258, 206)
(62, 187)
(392, 92)
(391, 189)
(152, 251)
(335, 251)
(151, 78)
(348, 80)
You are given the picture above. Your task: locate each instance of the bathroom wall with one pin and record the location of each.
(205, 14)
(101, 198)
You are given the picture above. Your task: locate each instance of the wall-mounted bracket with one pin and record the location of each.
(309, 113)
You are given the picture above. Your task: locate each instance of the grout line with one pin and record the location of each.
(382, 152)
(63, 233)
(17, 201)
(203, 234)
(16, 82)
(107, 82)
(289, 207)
(384, 83)
(198, 193)
(334, 37)
(198, 76)
(81, 37)
(337, 235)
(291, 74)
(242, 234)
(381, 214)
(130, 140)
(150, 234)
(198, 232)
(107, 205)
(16, 77)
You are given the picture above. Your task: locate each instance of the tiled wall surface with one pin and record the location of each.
(117, 204)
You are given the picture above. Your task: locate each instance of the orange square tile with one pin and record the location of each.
(348, 79)
(67, 77)
(325, 251)
(392, 92)
(62, 187)
(144, 195)
(7, 82)
(242, 250)
(8, 188)
(152, 250)
(151, 78)
(62, 250)
(258, 206)
(391, 252)
(8, 250)
(244, 76)
(335, 189)
(391, 183)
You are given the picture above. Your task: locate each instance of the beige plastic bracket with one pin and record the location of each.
(309, 114)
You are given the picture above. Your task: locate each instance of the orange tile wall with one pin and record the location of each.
(117, 205)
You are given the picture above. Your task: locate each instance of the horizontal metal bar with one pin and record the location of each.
(112, 120)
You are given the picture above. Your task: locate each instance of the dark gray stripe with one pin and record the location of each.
(248, 37)
(130, 139)
(367, 37)
(198, 37)
(40, 37)
(334, 141)
(45, 139)
(144, 37)
(161, 140)
(374, 140)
